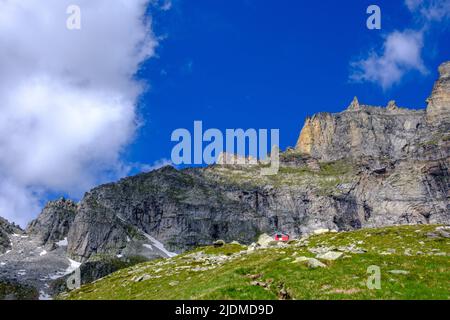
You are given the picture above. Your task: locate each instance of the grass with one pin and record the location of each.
(186, 277)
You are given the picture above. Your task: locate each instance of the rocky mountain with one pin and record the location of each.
(6, 230)
(364, 167)
(54, 222)
(32, 260)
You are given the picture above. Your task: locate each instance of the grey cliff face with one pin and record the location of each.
(439, 101)
(392, 132)
(54, 222)
(6, 230)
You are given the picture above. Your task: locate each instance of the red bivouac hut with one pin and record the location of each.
(279, 236)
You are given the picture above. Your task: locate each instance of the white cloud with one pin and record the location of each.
(401, 53)
(166, 5)
(402, 50)
(67, 97)
(413, 4)
(430, 10)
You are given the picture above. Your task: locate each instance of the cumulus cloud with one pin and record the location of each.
(413, 4)
(401, 51)
(166, 5)
(430, 10)
(67, 97)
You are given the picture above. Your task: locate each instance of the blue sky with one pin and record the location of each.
(269, 64)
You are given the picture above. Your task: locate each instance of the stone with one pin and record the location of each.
(321, 231)
(398, 271)
(330, 255)
(218, 243)
(301, 259)
(140, 278)
(252, 247)
(314, 263)
(259, 284)
(311, 263)
(265, 240)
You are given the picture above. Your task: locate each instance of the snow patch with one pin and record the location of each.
(22, 272)
(155, 242)
(43, 253)
(74, 265)
(44, 296)
(55, 276)
(18, 235)
(159, 245)
(62, 243)
(148, 246)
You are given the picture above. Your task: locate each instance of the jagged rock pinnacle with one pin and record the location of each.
(444, 70)
(438, 109)
(392, 105)
(354, 105)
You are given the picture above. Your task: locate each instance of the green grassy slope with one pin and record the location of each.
(413, 260)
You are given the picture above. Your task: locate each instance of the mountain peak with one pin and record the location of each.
(438, 109)
(354, 105)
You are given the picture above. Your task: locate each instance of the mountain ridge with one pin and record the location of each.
(364, 167)
(191, 207)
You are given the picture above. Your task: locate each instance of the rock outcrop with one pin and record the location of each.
(6, 230)
(439, 101)
(391, 133)
(53, 224)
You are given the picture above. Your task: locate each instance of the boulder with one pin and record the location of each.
(264, 240)
(219, 243)
(330, 255)
(321, 231)
(314, 263)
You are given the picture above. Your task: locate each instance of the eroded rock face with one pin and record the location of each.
(6, 230)
(365, 132)
(438, 110)
(382, 132)
(364, 167)
(54, 222)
